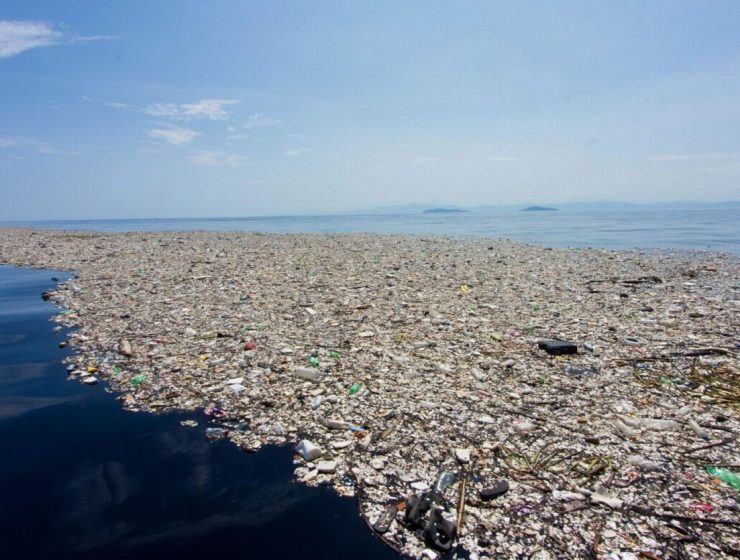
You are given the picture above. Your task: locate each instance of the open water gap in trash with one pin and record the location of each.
(82, 478)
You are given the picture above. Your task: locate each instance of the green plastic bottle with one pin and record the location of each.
(728, 477)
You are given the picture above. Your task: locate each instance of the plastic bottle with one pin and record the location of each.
(728, 477)
(660, 425)
(642, 463)
(625, 430)
(697, 430)
(309, 450)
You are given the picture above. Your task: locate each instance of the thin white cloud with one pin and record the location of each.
(715, 156)
(259, 120)
(294, 152)
(162, 110)
(118, 105)
(212, 109)
(20, 36)
(13, 141)
(173, 135)
(10, 142)
(52, 151)
(217, 159)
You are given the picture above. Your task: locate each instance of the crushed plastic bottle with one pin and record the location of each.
(698, 430)
(316, 402)
(658, 425)
(642, 463)
(728, 477)
(138, 379)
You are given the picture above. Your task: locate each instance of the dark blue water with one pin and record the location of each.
(81, 478)
(643, 227)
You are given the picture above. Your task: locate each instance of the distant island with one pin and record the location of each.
(539, 209)
(443, 210)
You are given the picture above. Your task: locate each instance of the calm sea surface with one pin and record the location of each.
(715, 229)
(82, 479)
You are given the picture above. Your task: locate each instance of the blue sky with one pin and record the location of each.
(220, 108)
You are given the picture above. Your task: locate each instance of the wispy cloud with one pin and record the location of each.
(713, 156)
(19, 36)
(212, 109)
(13, 141)
(294, 152)
(118, 105)
(21, 142)
(214, 159)
(173, 135)
(259, 120)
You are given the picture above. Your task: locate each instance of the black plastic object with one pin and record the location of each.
(418, 506)
(416, 509)
(439, 532)
(557, 347)
(498, 489)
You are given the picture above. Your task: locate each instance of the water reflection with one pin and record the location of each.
(12, 407)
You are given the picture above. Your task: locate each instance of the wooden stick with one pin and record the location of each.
(461, 503)
(724, 441)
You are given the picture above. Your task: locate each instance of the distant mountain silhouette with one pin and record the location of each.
(443, 210)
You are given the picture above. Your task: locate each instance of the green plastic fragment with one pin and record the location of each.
(138, 379)
(334, 355)
(117, 370)
(355, 387)
(314, 361)
(728, 477)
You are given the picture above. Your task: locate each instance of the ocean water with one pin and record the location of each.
(80, 478)
(716, 229)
